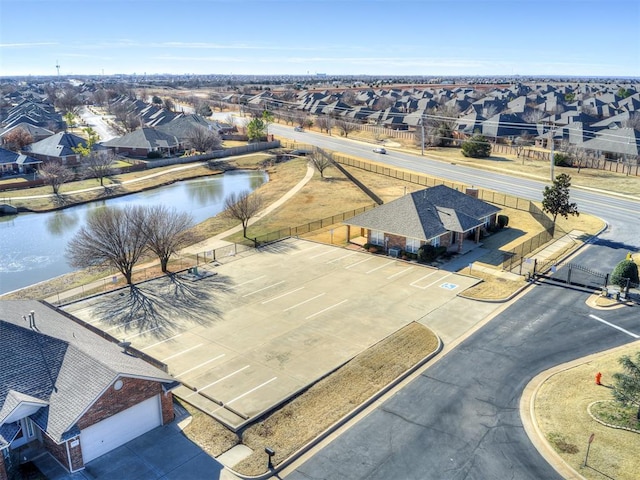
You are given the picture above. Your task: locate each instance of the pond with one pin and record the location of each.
(32, 245)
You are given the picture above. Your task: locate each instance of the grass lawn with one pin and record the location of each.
(561, 412)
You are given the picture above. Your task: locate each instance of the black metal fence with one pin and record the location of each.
(571, 274)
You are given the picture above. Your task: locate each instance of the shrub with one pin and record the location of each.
(503, 221)
(154, 154)
(428, 253)
(367, 245)
(476, 147)
(625, 269)
(562, 160)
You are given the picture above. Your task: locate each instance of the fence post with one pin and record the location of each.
(535, 265)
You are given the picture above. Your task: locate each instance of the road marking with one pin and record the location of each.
(201, 365)
(433, 283)
(248, 281)
(399, 273)
(302, 303)
(328, 308)
(143, 332)
(180, 353)
(305, 250)
(449, 286)
(632, 335)
(358, 263)
(413, 284)
(219, 380)
(381, 266)
(261, 289)
(283, 295)
(251, 391)
(340, 258)
(321, 254)
(162, 341)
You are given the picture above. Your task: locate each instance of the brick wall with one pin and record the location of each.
(76, 455)
(3, 470)
(167, 408)
(58, 451)
(113, 401)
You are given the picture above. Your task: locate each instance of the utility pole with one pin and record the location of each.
(58, 67)
(422, 143)
(551, 155)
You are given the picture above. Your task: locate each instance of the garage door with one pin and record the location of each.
(117, 430)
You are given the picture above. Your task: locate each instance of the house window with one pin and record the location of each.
(29, 427)
(413, 244)
(487, 222)
(377, 237)
(435, 242)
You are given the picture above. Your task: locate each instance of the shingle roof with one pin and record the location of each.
(147, 138)
(59, 145)
(60, 363)
(426, 214)
(7, 157)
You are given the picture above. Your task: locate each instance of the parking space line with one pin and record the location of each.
(248, 281)
(180, 353)
(220, 380)
(413, 284)
(302, 303)
(399, 273)
(381, 266)
(142, 333)
(117, 326)
(201, 365)
(358, 263)
(631, 334)
(283, 295)
(342, 257)
(328, 308)
(436, 281)
(161, 341)
(305, 250)
(321, 254)
(251, 391)
(263, 288)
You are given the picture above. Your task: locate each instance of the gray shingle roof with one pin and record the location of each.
(7, 157)
(147, 138)
(59, 145)
(426, 214)
(61, 363)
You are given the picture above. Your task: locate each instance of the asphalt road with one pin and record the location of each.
(460, 418)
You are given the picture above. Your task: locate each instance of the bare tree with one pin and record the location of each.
(167, 231)
(68, 101)
(55, 174)
(204, 140)
(383, 103)
(633, 121)
(320, 161)
(533, 115)
(99, 164)
(169, 104)
(439, 125)
(242, 206)
(324, 123)
(17, 139)
(521, 142)
(489, 111)
(111, 236)
(346, 127)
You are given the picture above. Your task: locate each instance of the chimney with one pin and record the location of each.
(32, 319)
(472, 192)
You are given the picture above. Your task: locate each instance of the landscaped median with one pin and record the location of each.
(323, 407)
(562, 401)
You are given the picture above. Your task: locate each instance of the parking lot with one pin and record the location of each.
(271, 323)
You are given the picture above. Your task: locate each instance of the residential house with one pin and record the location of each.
(59, 147)
(438, 216)
(12, 163)
(37, 133)
(69, 391)
(142, 141)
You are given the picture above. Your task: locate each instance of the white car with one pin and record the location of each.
(298, 129)
(379, 150)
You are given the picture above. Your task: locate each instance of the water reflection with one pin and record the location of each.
(61, 221)
(204, 192)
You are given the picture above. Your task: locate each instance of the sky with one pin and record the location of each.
(599, 38)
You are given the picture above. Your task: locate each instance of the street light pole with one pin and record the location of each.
(422, 143)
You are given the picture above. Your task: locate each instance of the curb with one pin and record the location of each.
(344, 420)
(618, 427)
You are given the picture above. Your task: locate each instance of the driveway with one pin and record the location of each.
(163, 453)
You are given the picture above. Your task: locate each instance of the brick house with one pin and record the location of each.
(142, 141)
(69, 391)
(59, 147)
(438, 216)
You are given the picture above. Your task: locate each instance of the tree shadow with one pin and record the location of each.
(603, 242)
(161, 307)
(60, 200)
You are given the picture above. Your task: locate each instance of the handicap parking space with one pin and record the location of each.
(287, 315)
